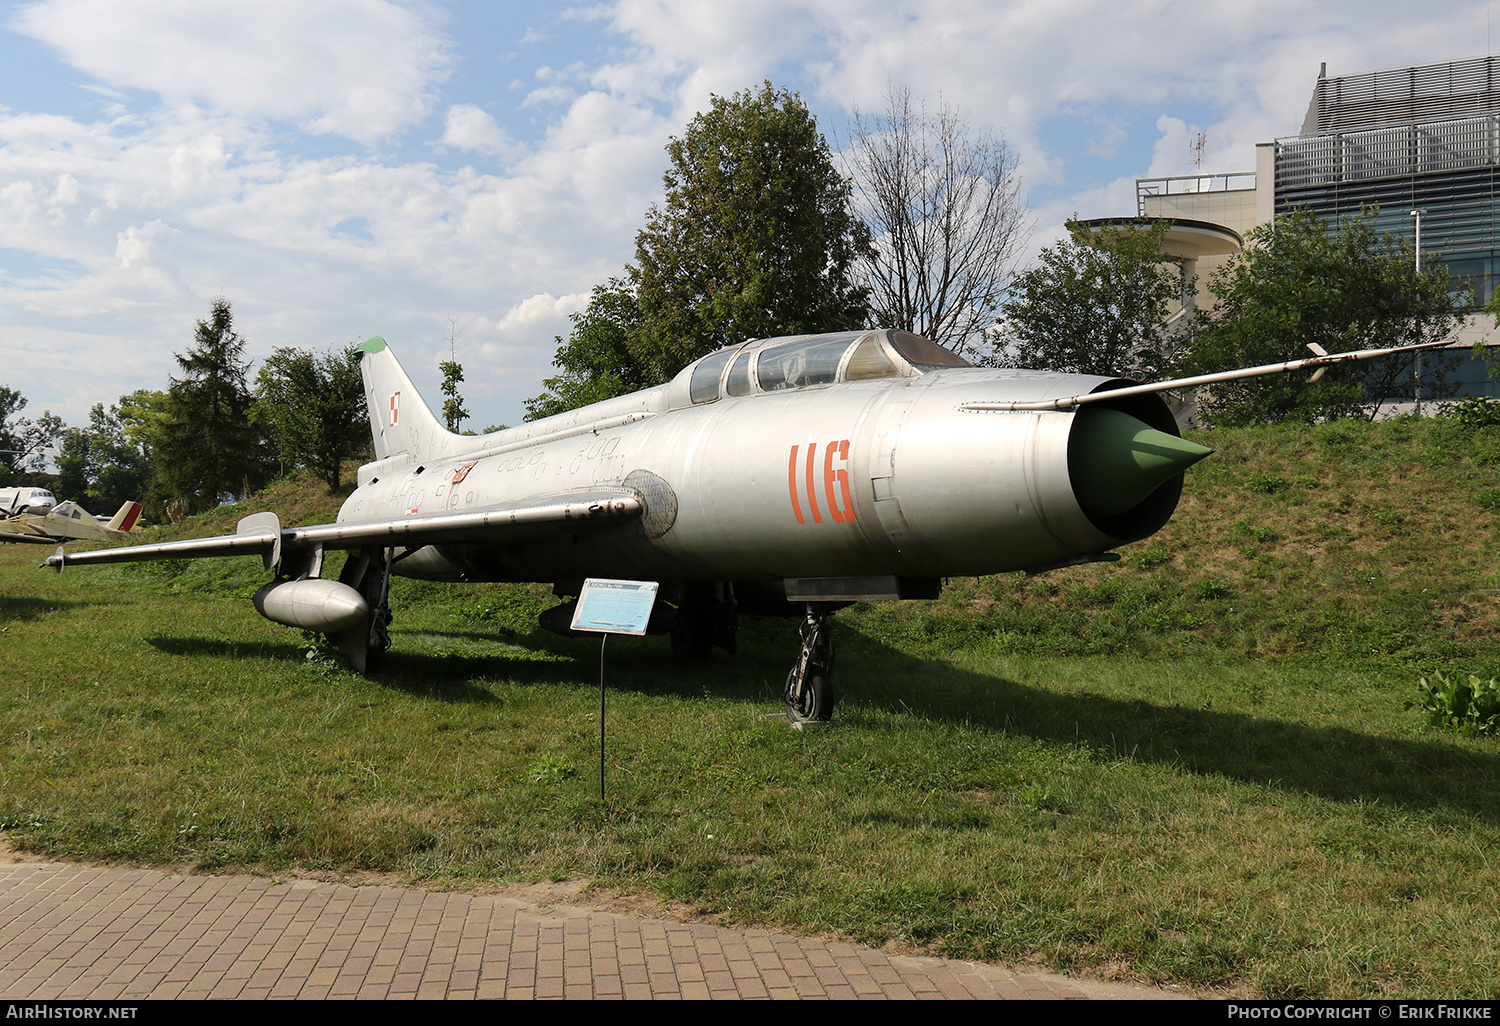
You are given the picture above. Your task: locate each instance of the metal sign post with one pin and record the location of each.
(612, 607)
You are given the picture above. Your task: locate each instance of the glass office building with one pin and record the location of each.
(1423, 138)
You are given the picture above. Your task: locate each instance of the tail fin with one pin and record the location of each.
(399, 420)
(126, 518)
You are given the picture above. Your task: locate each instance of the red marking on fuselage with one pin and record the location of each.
(844, 515)
(791, 484)
(812, 493)
(835, 482)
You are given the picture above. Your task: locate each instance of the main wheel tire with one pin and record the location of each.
(375, 659)
(380, 643)
(815, 704)
(692, 635)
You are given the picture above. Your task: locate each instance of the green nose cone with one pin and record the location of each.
(1115, 461)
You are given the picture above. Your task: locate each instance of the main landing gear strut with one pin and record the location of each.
(369, 573)
(809, 687)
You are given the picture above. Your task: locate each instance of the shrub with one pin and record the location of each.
(1477, 412)
(1471, 704)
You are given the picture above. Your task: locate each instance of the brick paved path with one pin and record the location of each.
(124, 934)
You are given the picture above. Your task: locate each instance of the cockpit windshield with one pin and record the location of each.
(705, 386)
(925, 355)
(803, 362)
(809, 361)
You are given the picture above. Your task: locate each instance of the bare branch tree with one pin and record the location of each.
(946, 217)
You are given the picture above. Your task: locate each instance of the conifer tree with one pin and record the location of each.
(209, 449)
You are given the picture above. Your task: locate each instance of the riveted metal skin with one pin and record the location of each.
(914, 474)
(802, 472)
(881, 477)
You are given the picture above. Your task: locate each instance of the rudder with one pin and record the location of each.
(400, 421)
(125, 519)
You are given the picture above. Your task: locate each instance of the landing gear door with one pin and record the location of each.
(885, 437)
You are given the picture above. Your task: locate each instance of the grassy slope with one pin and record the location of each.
(1348, 541)
(1193, 766)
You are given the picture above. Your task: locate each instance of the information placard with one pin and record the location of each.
(614, 607)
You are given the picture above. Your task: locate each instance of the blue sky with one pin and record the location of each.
(355, 167)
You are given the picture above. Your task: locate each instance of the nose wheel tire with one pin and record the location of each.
(813, 702)
(809, 687)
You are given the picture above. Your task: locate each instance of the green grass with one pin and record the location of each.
(1191, 767)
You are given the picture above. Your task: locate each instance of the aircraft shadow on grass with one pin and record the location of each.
(25, 607)
(446, 677)
(222, 648)
(1328, 762)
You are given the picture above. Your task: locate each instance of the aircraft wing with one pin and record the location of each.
(1319, 362)
(262, 534)
(14, 529)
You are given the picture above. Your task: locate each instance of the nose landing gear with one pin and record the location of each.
(809, 686)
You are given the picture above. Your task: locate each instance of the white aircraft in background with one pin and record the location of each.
(68, 521)
(14, 501)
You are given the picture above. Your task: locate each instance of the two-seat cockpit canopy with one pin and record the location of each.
(808, 361)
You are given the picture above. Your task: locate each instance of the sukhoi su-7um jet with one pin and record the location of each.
(782, 474)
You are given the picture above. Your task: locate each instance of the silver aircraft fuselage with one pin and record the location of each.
(887, 476)
(854, 465)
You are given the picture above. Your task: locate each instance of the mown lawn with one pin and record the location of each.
(1192, 767)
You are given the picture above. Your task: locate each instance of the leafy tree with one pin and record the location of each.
(945, 215)
(16, 449)
(1488, 353)
(143, 416)
(315, 408)
(599, 359)
(454, 413)
(208, 447)
(73, 465)
(24, 442)
(1297, 283)
(756, 237)
(100, 465)
(1096, 303)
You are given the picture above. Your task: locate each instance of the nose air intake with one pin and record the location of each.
(1118, 464)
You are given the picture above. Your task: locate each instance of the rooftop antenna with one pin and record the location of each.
(1196, 148)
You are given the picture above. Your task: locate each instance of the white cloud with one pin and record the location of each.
(66, 193)
(469, 127)
(131, 223)
(356, 68)
(198, 165)
(548, 95)
(543, 309)
(1172, 154)
(182, 207)
(133, 248)
(1012, 66)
